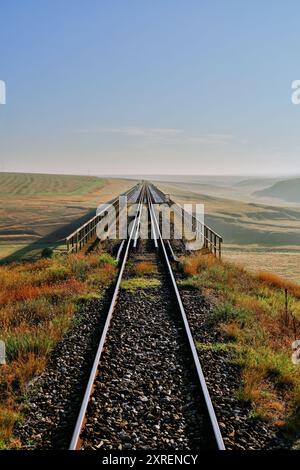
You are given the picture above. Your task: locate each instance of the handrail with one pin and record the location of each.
(77, 239)
(212, 240)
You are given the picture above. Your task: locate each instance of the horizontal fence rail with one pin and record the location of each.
(212, 241)
(86, 232)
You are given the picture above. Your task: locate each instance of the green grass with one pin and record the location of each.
(106, 258)
(86, 298)
(56, 273)
(215, 347)
(23, 343)
(227, 311)
(139, 283)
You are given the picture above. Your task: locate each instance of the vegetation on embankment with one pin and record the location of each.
(250, 312)
(37, 305)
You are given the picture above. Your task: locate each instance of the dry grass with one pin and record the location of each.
(193, 264)
(8, 419)
(250, 311)
(284, 263)
(144, 267)
(37, 305)
(258, 390)
(278, 282)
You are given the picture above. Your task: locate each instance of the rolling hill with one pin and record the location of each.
(287, 190)
(38, 210)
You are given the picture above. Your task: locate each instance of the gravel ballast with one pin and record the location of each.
(146, 394)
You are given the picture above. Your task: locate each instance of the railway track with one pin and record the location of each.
(146, 389)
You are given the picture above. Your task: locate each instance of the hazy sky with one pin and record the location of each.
(161, 86)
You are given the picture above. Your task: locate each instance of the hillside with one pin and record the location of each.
(287, 190)
(256, 235)
(40, 209)
(242, 223)
(33, 184)
(257, 182)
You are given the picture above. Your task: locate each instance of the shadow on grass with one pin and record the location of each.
(52, 240)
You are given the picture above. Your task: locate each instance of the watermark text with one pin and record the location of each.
(2, 92)
(295, 96)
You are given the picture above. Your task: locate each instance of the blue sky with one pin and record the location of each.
(131, 86)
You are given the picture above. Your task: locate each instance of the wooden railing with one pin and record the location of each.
(86, 232)
(212, 241)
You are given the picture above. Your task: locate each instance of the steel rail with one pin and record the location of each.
(171, 251)
(153, 230)
(140, 209)
(120, 251)
(207, 398)
(75, 442)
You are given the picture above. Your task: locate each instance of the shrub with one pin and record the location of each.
(33, 312)
(101, 277)
(226, 312)
(47, 252)
(28, 366)
(194, 264)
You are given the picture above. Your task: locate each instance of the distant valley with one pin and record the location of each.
(287, 190)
